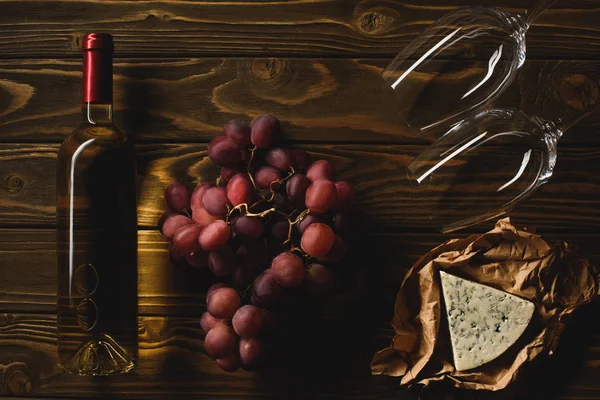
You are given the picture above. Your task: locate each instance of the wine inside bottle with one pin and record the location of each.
(97, 231)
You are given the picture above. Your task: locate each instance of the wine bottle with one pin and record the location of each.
(97, 230)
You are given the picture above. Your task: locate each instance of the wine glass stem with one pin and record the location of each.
(532, 14)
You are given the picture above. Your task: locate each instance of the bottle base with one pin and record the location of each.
(100, 357)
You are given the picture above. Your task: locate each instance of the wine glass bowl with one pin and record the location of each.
(483, 166)
(457, 66)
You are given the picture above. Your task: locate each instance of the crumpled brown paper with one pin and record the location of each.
(553, 276)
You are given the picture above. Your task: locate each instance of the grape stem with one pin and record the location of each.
(246, 209)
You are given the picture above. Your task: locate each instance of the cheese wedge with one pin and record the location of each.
(484, 322)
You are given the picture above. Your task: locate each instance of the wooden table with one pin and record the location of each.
(182, 69)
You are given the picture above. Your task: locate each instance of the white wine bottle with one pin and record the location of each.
(97, 230)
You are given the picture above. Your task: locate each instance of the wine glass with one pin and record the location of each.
(484, 165)
(458, 65)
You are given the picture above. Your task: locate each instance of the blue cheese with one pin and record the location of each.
(484, 322)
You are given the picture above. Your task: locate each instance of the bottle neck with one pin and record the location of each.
(97, 87)
(97, 114)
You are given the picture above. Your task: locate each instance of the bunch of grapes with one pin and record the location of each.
(272, 224)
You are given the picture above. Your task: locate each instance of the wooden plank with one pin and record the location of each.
(328, 359)
(568, 202)
(165, 289)
(173, 363)
(307, 27)
(320, 100)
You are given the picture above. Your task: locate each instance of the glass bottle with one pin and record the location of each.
(97, 231)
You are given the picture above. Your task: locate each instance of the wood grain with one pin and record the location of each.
(165, 289)
(172, 360)
(304, 27)
(569, 201)
(318, 100)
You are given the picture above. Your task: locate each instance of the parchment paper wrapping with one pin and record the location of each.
(553, 276)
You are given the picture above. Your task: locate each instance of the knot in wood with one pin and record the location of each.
(579, 91)
(15, 379)
(155, 328)
(269, 69)
(374, 22)
(5, 319)
(19, 383)
(76, 42)
(14, 184)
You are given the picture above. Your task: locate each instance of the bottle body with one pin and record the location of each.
(97, 235)
(97, 252)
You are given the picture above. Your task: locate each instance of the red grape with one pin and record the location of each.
(252, 351)
(177, 196)
(220, 341)
(338, 251)
(265, 176)
(214, 235)
(265, 130)
(239, 132)
(317, 240)
(196, 200)
(306, 221)
(321, 169)
(253, 253)
(228, 173)
(342, 222)
(203, 217)
(176, 257)
(282, 203)
(269, 321)
(302, 160)
(223, 303)
(320, 196)
(213, 288)
(345, 195)
(245, 275)
(198, 259)
(162, 220)
(223, 261)
(247, 227)
(253, 257)
(230, 363)
(266, 289)
(264, 193)
(240, 190)
(223, 151)
(247, 321)
(173, 223)
(186, 238)
(215, 201)
(288, 269)
(280, 231)
(318, 279)
(296, 189)
(279, 158)
(207, 321)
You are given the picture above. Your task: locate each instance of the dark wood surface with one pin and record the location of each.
(182, 69)
(273, 27)
(572, 196)
(318, 100)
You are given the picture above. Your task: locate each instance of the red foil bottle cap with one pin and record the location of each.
(97, 68)
(97, 41)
